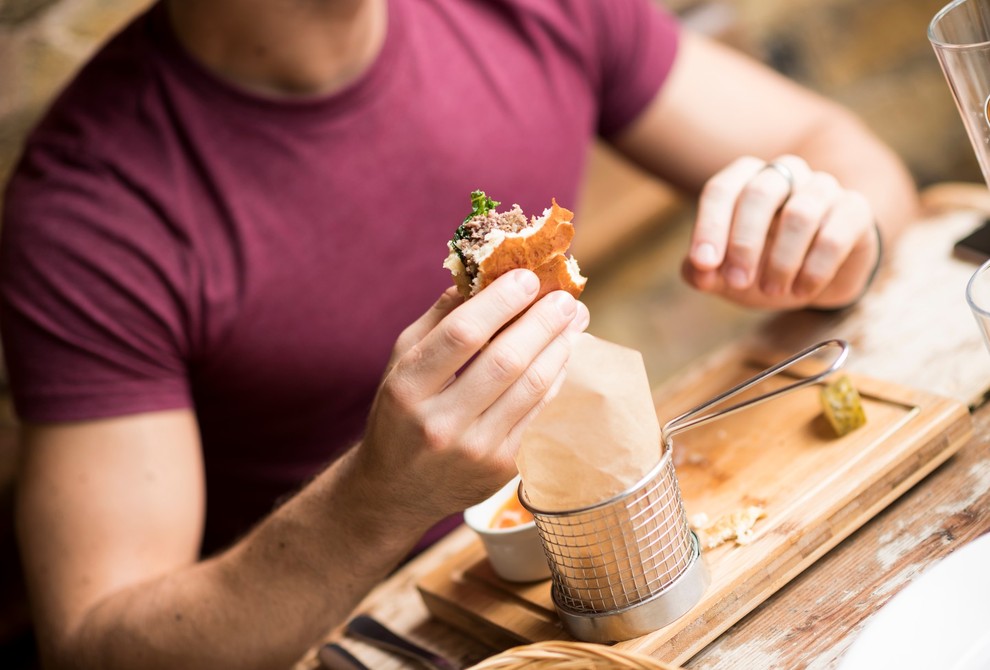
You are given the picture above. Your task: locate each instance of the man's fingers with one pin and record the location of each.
(517, 358)
(798, 224)
(848, 222)
(531, 391)
(428, 366)
(777, 235)
(757, 205)
(508, 416)
(716, 209)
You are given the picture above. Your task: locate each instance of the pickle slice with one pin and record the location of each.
(842, 406)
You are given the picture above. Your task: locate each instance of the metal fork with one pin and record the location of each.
(364, 627)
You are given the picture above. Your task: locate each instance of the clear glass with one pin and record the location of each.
(960, 35)
(978, 297)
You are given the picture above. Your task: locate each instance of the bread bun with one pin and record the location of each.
(489, 244)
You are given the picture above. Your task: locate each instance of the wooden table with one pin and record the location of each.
(914, 329)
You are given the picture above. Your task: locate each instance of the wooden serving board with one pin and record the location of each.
(816, 489)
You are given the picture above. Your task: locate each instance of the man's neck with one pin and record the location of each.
(282, 47)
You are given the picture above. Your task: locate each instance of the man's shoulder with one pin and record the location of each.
(97, 110)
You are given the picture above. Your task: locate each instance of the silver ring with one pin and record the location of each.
(783, 171)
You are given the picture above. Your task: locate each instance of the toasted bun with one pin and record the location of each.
(540, 247)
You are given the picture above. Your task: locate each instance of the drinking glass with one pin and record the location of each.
(960, 35)
(978, 297)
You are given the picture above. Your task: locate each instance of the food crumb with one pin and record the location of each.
(736, 525)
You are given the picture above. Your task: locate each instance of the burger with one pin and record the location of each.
(490, 243)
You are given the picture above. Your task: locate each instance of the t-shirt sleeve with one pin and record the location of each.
(91, 295)
(637, 42)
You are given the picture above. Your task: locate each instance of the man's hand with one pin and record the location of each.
(465, 381)
(757, 242)
(781, 237)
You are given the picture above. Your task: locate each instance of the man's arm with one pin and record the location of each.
(110, 515)
(717, 106)
(111, 511)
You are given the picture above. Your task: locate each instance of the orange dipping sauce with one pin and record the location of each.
(510, 514)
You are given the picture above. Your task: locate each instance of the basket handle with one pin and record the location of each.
(703, 413)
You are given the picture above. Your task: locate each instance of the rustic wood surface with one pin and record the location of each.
(808, 623)
(812, 621)
(832, 486)
(913, 330)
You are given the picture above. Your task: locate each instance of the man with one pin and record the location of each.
(216, 240)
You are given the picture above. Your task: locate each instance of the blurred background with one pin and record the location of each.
(871, 55)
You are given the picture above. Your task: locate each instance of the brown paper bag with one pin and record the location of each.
(598, 437)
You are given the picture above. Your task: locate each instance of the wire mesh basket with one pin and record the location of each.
(617, 563)
(620, 552)
(630, 565)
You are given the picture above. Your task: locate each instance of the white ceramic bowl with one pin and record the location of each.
(516, 553)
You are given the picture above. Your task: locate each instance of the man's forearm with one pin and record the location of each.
(845, 147)
(261, 603)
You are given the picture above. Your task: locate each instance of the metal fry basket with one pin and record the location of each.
(630, 565)
(626, 566)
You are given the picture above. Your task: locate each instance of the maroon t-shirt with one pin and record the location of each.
(170, 241)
